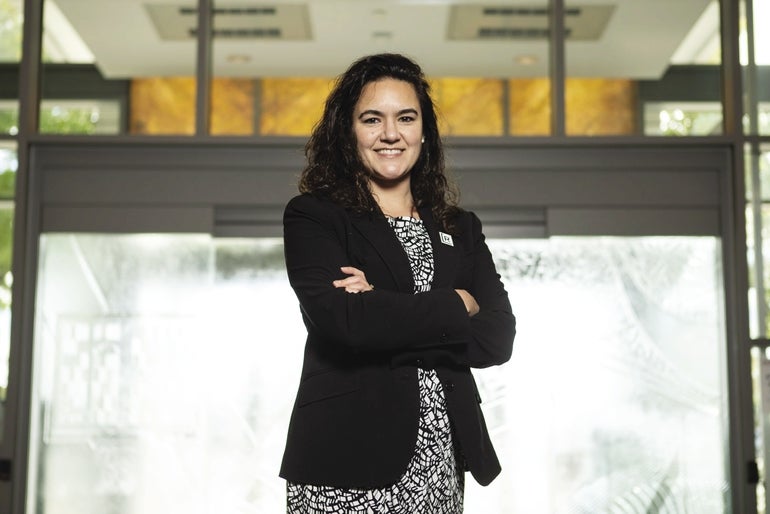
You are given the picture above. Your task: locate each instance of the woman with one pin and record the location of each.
(400, 298)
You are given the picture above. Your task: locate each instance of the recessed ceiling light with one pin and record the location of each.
(238, 59)
(526, 60)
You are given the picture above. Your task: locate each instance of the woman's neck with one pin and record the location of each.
(395, 202)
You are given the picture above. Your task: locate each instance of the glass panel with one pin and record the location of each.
(758, 226)
(8, 168)
(623, 409)
(756, 78)
(239, 32)
(151, 386)
(519, 33)
(90, 74)
(760, 378)
(153, 391)
(621, 81)
(80, 117)
(757, 307)
(682, 118)
(265, 84)
(9, 117)
(765, 231)
(11, 21)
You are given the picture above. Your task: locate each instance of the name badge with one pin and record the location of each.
(446, 239)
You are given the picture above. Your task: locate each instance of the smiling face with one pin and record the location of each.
(387, 123)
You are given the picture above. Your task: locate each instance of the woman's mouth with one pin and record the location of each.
(389, 151)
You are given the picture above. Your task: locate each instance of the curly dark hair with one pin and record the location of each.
(334, 168)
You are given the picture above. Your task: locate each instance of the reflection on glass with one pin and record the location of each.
(9, 117)
(166, 368)
(614, 67)
(760, 380)
(11, 21)
(523, 97)
(614, 399)
(757, 228)
(762, 59)
(240, 34)
(765, 245)
(682, 118)
(80, 117)
(165, 373)
(757, 325)
(761, 11)
(90, 73)
(8, 167)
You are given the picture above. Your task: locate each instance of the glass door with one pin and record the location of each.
(165, 366)
(165, 369)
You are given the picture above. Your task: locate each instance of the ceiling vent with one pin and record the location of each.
(284, 22)
(471, 22)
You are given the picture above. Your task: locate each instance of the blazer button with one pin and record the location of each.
(418, 363)
(449, 386)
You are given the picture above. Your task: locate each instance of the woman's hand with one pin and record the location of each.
(355, 283)
(470, 302)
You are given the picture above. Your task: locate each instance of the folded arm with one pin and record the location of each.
(374, 320)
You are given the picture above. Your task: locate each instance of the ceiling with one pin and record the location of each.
(607, 38)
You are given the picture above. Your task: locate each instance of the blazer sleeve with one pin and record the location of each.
(493, 328)
(315, 233)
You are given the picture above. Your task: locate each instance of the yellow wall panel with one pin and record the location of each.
(232, 106)
(466, 106)
(529, 107)
(600, 107)
(162, 105)
(469, 106)
(292, 106)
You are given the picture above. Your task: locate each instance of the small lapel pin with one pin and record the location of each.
(446, 239)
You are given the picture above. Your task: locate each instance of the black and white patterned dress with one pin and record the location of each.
(433, 482)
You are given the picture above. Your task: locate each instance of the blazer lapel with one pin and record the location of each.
(446, 257)
(377, 231)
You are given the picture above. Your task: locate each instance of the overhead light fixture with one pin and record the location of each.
(238, 59)
(525, 60)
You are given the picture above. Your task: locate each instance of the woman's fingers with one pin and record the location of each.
(355, 283)
(470, 302)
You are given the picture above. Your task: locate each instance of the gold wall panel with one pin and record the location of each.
(469, 106)
(166, 105)
(232, 107)
(162, 105)
(597, 107)
(529, 107)
(466, 106)
(292, 106)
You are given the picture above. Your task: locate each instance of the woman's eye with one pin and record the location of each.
(370, 121)
(406, 119)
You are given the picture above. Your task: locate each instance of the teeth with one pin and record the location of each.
(390, 151)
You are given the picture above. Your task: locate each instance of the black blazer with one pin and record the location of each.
(354, 422)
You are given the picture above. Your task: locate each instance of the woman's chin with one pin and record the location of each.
(389, 179)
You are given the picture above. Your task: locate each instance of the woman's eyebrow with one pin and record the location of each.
(374, 112)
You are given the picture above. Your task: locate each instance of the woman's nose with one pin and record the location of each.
(390, 131)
